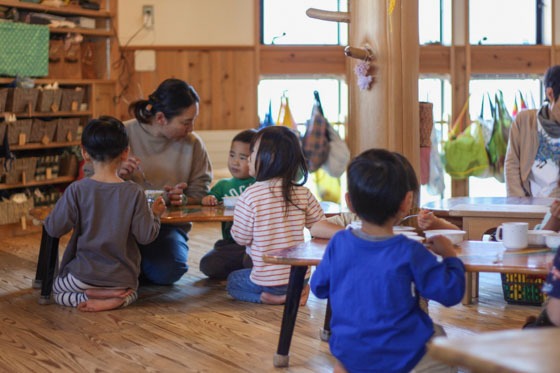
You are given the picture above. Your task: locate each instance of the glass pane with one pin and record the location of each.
(438, 92)
(502, 21)
(333, 94)
(434, 21)
(285, 22)
(529, 88)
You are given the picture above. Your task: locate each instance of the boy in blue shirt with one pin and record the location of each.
(374, 279)
(227, 256)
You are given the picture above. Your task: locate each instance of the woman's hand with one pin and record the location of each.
(553, 223)
(209, 200)
(158, 207)
(175, 194)
(128, 167)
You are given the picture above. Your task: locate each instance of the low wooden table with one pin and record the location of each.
(477, 256)
(477, 214)
(529, 350)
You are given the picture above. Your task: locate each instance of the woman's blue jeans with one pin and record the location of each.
(240, 287)
(164, 261)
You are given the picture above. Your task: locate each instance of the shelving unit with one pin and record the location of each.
(91, 71)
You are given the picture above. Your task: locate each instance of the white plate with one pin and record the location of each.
(401, 228)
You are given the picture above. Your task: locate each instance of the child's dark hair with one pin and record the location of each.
(552, 80)
(105, 138)
(245, 136)
(280, 156)
(171, 98)
(377, 185)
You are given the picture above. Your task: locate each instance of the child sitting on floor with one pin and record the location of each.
(326, 228)
(100, 267)
(373, 278)
(227, 256)
(271, 215)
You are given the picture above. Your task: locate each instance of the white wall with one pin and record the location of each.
(188, 22)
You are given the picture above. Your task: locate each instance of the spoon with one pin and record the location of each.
(411, 216)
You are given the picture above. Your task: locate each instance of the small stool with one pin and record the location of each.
(46, 267)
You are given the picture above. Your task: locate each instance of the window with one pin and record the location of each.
(434, 21)
(517, 22)
(332, 91)
(529, 88)
(438, 92)
(285, 22)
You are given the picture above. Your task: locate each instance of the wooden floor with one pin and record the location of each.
(192, 326)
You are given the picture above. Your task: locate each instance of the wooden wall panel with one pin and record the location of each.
(302, 60)
(528, 59)
(224, 79)
(435, 59)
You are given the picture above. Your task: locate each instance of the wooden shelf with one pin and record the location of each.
(62, 81)
(71, 10)
(35, 114)
(57, 180)
(38, 145)
(83, 31)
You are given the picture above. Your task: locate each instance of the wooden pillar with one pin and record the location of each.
(386, 115)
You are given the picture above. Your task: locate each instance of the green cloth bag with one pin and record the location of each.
(465, 155)
(25, 49)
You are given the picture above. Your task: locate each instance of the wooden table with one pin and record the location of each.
(477, 214)
(529, 350)
(477, 256)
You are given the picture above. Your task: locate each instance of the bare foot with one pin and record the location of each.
(268, 298)
(108, 293)
(96, 305)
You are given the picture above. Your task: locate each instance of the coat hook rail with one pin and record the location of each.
(359, 53)
(327, 15)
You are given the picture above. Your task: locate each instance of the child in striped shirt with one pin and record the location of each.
(271, 215)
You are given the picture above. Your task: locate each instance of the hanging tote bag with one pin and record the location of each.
(497, 147)
(465, 152)
(315, 142)
(285, 117)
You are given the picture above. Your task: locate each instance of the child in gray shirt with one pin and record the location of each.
(109, 216)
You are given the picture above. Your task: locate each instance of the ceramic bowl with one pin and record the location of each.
(229, 202)
(454, 235)
(402, 228)
(552, 241)
(537, 237)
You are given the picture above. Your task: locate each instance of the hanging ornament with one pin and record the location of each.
(363, 67)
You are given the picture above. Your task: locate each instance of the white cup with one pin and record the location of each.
(513, 235)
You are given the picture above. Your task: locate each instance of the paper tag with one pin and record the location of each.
(22, 138)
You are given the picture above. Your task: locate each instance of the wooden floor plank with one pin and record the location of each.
(193, 326)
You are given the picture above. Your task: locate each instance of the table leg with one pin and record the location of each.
(326, 331)
(293, 295)
(41, 262)
(467, 298)
(49, 268)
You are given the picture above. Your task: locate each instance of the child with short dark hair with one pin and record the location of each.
(227, 256)
(100, 267)
(374, 279)
(271, 214)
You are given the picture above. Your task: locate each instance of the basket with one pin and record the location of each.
(21, 99)
(71, 99)
(12, 212)
(15, 129)
(20, 166)
(3, 98)
(520, 288)
(43, 130)
(67, 129)
(426, 124)
(49, 100)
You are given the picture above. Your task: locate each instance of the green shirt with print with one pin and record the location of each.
(232, 187)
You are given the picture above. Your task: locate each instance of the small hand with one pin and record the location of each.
(209, 200)
(425, 219)
(555, 210)
(441, 245)
(128, 167)
(158, 207)
(175, 194)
